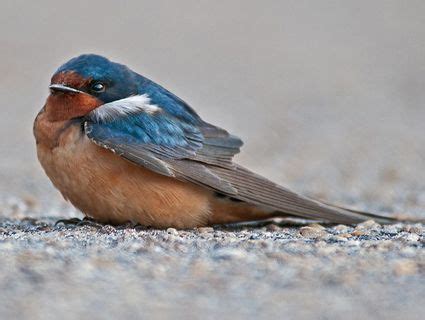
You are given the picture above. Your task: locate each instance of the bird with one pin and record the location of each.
(122, 148)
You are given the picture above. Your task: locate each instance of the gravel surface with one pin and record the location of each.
(271, 270)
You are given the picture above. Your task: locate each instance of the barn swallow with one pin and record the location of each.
(122, 148)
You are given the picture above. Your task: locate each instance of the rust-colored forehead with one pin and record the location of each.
(70, 78)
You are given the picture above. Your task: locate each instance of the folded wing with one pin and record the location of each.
(196, 151)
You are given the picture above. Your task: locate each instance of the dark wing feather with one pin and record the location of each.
(149, 156)
(256, 189)
(202, 153)
(218, 146)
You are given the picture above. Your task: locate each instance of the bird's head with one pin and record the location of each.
(86, 82)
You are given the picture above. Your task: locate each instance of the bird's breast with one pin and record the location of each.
(111, 189)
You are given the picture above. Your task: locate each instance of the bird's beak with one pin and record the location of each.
(63, 88)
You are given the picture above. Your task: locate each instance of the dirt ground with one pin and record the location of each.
(328, 97)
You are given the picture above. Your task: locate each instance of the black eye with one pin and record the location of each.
(97, 87)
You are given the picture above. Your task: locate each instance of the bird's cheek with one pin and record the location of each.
(61, 107)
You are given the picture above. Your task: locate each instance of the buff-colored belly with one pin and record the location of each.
(110, 189)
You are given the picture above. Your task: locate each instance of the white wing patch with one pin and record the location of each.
(115, 109)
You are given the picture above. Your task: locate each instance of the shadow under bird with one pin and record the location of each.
(121, 148)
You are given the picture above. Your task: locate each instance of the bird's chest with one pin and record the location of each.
(64, 153)
(111, 189)
(86, 174)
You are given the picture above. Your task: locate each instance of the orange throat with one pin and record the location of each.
(67, 106)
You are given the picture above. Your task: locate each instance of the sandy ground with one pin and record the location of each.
(269, 272)
(328, 97)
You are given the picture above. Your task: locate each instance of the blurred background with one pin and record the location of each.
(327, 95)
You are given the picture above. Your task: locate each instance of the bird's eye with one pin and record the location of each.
(98, 87)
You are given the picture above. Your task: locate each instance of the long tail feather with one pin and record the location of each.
(254, 189)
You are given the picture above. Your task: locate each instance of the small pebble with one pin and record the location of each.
(368, 225)
(358, 233)
(345, 235)
(341, 228)
(172, 231)
(273, 228)
(317, 226)
(205, 230)
(313, 233)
